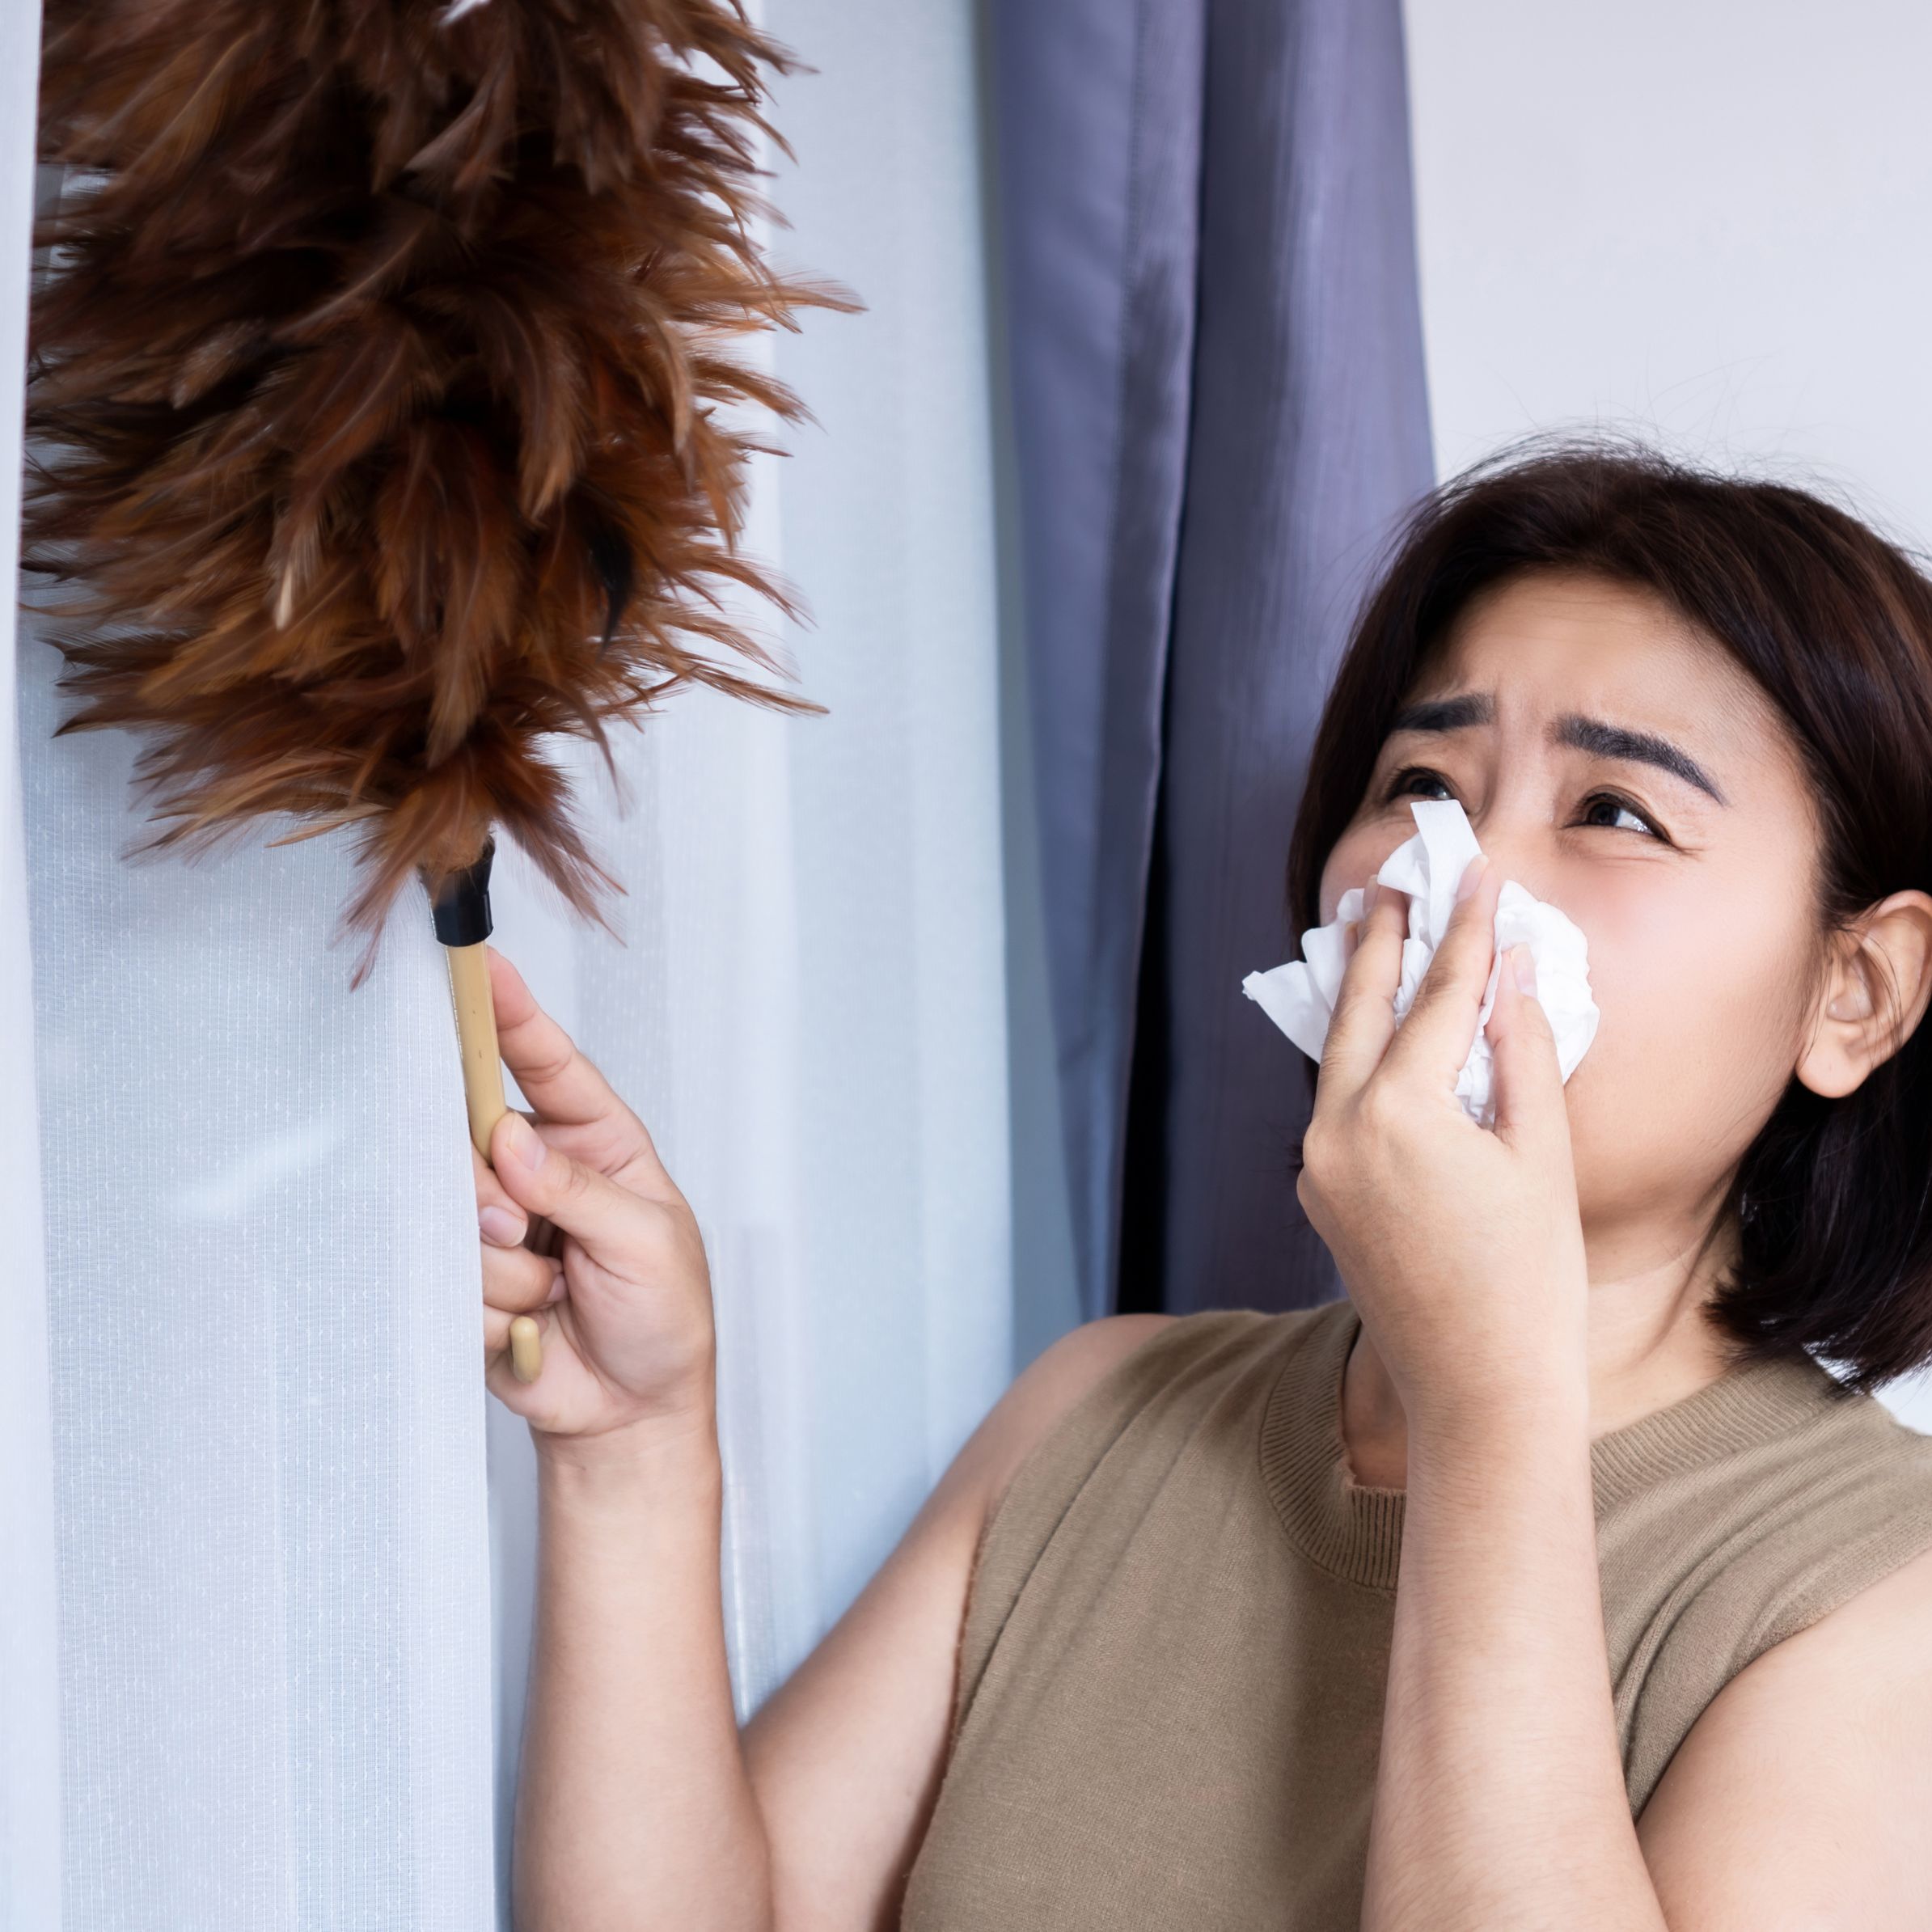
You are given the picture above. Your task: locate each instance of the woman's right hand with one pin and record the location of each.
(584, 1230)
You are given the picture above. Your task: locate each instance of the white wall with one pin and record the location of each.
(1708, 220)
(1706, 216)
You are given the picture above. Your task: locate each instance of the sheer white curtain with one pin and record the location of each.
(808, 1007)
(257, 1557)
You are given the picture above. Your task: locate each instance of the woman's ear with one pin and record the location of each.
(1877, 984)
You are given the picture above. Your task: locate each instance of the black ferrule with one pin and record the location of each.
(462, 905)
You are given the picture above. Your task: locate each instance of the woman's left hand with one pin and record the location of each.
(1460, 1247)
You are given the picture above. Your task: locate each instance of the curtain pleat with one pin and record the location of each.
(1098, 115)
(1219, 413)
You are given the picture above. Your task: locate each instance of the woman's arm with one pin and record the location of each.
(633, 1810)
(637, 1807)
(1500, 1797)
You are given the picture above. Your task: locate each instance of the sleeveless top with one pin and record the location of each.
(1169, 1705)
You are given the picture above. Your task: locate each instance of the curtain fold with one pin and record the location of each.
(1098, 110)
(1309, 437)
(1220, 413)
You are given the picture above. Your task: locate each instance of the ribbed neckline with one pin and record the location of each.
(1356, 1532)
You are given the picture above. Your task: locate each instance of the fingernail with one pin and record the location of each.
(1472, 875)
(1368, 896)
(1522, 963)
(556, 1289)
(501, 1228)
(523, 1143)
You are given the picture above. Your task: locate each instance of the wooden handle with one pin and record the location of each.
(526, 1349)
(483, 1094)
(476, 1032)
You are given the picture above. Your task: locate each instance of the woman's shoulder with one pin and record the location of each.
(1745, 1515)
(1083, 1388)
(1880, 1627)
(1856, 1516)
(1821, 1746)
(1856, 1557)
(1792, 1548)
(1060, 1376)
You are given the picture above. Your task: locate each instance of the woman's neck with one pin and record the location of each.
(1649, 1347)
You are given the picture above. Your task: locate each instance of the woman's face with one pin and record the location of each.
(1623, 767)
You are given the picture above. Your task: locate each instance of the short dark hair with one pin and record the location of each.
(1835, 624)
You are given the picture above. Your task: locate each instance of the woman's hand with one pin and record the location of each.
(583, 1230)
(1460, 1247)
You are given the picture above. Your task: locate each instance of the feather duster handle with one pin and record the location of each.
(377, 397)
(461, 909)
(461, 906)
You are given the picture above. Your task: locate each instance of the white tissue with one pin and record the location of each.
(1300, 997)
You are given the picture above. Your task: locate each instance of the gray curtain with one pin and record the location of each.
(1207, 240)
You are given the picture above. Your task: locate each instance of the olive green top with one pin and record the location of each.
(1169, 1700)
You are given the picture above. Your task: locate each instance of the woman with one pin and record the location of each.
(1547, 1579)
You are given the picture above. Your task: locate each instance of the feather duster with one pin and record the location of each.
(376, 395)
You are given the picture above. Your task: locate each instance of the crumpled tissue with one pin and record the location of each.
(1300, 997)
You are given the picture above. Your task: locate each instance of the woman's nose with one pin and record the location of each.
(1513, 849)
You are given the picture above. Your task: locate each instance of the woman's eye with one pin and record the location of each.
(1404, 784)
(1620, 809)
(1602, 809)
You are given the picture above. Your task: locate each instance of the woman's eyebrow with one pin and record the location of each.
(1640, 747)
(1581, 733)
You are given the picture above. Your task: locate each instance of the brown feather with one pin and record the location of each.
(383, 350)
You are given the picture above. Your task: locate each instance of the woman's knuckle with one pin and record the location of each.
(554, 1062)
(513, 1281)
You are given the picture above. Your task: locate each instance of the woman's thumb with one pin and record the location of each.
(1529, 1081)
(544, 1180)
